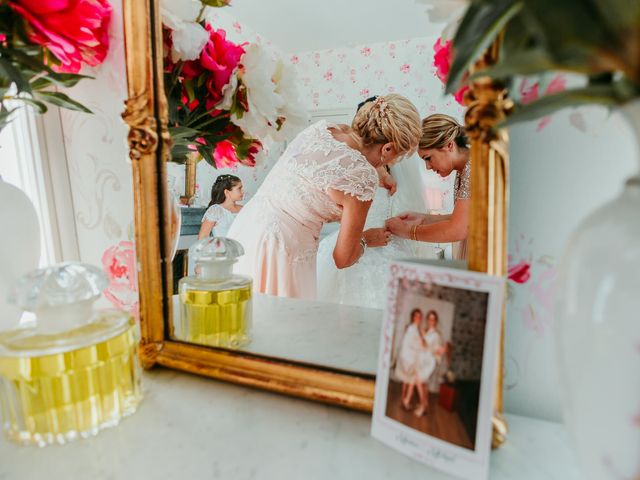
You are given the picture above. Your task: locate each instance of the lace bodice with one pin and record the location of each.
(312, 164)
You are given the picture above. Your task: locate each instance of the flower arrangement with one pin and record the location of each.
(43, 45)
(224, 98)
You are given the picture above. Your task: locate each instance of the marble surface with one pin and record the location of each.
(189, 427)
(345, 338)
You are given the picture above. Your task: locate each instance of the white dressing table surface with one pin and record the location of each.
(189, 427)
(316, 333)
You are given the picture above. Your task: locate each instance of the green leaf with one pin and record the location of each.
(183, 133)
(15, 75)
(65, 80)
(529, 62)
(5, 116)
(205, 152)
(188, 86)
(599, 94)
(481, 24)
(62, 100)
(38, 105)
(215, 3)
(573, 31)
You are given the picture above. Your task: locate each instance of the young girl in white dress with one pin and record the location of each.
(226, 192)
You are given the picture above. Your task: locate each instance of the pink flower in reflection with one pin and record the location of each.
(119, 263)
(224, 154)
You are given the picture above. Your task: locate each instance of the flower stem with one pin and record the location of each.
(199, 19)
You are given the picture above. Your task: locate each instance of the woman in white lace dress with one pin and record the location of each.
(328, 173)
(444, 147)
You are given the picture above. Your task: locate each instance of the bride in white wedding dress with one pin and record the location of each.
(364, 283)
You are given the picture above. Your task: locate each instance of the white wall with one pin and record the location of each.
(303, 26)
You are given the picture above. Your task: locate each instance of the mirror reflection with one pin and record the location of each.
(317, 159)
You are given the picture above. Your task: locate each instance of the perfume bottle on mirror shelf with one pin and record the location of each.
(215, 304)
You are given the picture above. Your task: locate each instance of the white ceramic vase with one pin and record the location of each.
(19, 246)
(598, 327)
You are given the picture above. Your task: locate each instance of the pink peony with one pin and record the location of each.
(442, 59)
(74, 31)
(119, 263)
(224, 155)
(220, 58)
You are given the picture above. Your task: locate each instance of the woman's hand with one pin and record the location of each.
(412, 218)
(398, 227)
(389, 183)
(376, 237)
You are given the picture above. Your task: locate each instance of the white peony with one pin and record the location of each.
(188, 37)
(449, 11)
(272, 96)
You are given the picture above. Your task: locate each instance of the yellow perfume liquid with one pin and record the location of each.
(215, 318)
(215, 305)
(56, 397)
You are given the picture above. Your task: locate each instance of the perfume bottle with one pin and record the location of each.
(67, 370)
(216, 304)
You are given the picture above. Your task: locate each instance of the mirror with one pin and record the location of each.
(293, 214)
(321, 181)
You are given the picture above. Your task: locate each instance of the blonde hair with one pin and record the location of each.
(438, 130)
(390, 118)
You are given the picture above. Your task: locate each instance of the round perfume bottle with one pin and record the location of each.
(67, 370)
(215, 304)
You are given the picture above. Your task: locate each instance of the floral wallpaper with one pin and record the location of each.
(100, 173)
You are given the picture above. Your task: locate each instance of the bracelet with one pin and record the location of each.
(363, 244)
(414, 233)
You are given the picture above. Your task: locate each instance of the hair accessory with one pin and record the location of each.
(363, 103)
(382, 105)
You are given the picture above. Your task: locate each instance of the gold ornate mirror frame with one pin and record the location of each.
(149, 145)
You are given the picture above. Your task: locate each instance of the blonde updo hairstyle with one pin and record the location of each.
(390, 118)
(438, 130)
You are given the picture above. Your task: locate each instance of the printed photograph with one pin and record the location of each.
(436, 360)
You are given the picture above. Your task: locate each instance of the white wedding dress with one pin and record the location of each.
(365, 283)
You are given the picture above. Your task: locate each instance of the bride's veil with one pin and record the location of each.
(409, 196)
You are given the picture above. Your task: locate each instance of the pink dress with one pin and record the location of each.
(279, 227)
